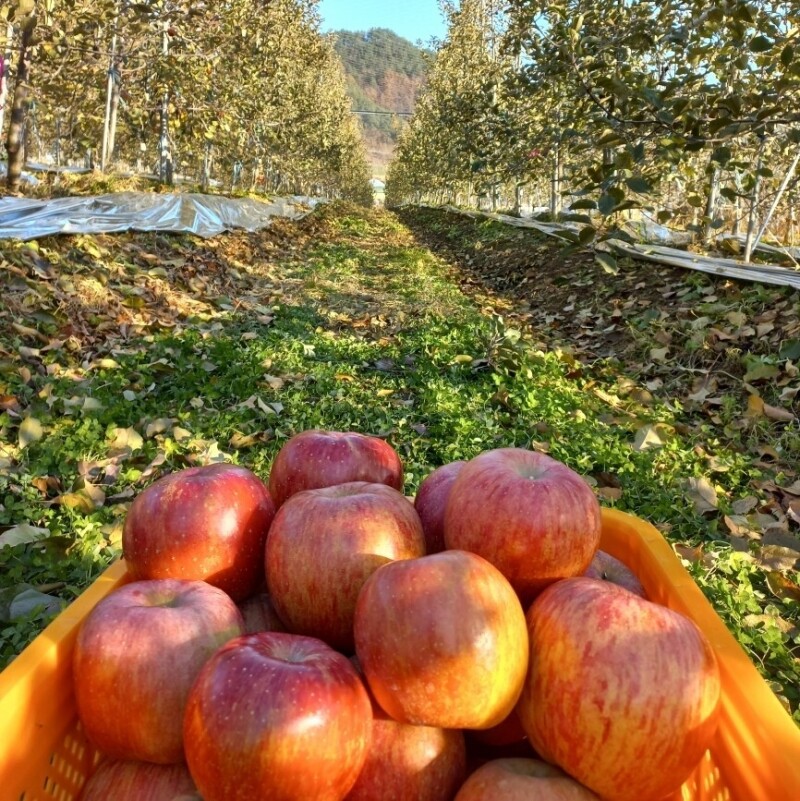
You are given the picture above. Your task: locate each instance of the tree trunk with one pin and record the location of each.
(711, 203)
(14, 144)
(754, 198)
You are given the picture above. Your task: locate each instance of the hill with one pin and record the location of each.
(384, 74)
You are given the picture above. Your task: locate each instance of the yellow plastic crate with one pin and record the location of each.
(755, 755)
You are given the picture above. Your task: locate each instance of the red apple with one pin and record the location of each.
(507, 732)
(621, 693)
(140, 781)
(431, 502)
(605, 567)
(442, 641)
(532, 517)
(325, 543)
(207, 523)
(410, 763)
(135, 659)
(277, 716)
(316, 459)
(522, 780)
(259, 614)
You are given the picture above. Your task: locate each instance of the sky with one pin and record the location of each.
(413, 19)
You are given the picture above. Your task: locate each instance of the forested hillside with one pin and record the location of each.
(384, 73)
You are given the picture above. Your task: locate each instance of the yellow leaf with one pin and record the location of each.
(30, 430)
(384, 393)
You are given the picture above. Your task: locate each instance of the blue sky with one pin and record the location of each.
(413, 19)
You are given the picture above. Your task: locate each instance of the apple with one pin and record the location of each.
(531, 516)
(207, 523)
(410, 763)
(605, 567)
(442, 641)
(431, 502)
(621, 693)
(139, 781)
(316, 459)
(325, 543)
(278, 716)
(522, 780)
(135, 658)
(259, 614)
(507, 732)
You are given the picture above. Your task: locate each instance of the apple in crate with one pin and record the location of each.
(605, 567)
(277, 716)
(316, 459)
(409, 763)
(531, 516)
(522, 780)
(136, 657)
(442, 641)
(431, 502)
(207, 523)
(621, 693)
(325, 543)
(259, 614)
(140, 781)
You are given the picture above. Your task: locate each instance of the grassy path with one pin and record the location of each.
(125, 357)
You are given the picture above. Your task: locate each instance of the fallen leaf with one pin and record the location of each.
(736, 318)
(609, 493)
(761, 371)
(782, 587)
(691, 554)
(778, 413)
(744, 505)
(158, 426)
(30, 430)
(180, 434)
(125, 440)
(778, 558)
(129, 395)
(647, 437)
(274, 382)
(659, 354)
(30, 600)
(702, 494)
(23, 534)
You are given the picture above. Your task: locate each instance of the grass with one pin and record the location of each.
(139, 354)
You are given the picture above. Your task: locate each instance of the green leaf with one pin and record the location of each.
(606, 204)
(587, 235)
(607, 262)
(787, 55)
(23, 534)
(638, 184)
(760, 44)
(790, 349)
(585, 203)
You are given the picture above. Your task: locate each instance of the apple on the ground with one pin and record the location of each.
(325, 543)
(136, 657)
(206, 523)
(315, 459)
(532, 517)
(442, 641)
(278, 716)
(621, 693)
